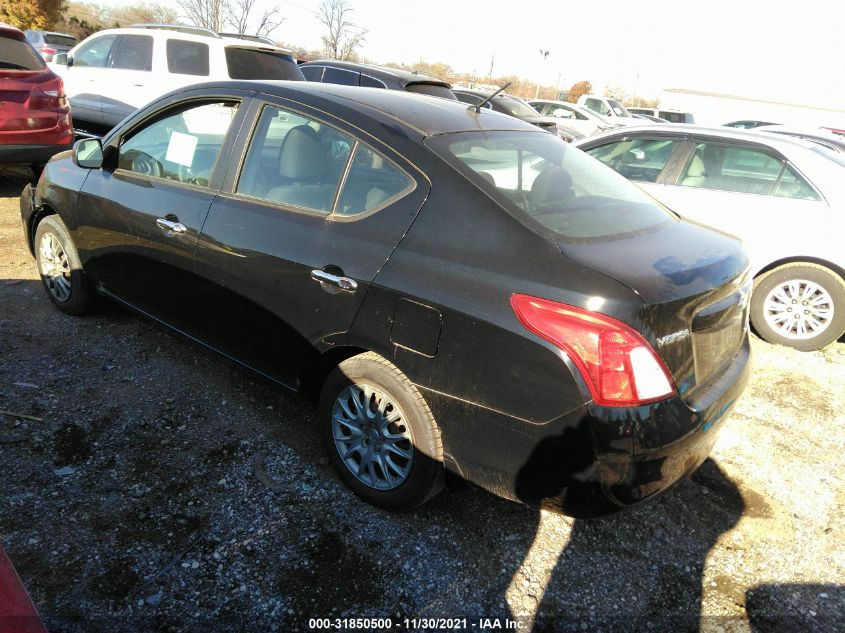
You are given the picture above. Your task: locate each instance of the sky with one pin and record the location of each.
(773, 49)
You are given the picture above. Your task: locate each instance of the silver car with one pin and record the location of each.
(585, 121)
(785, 197)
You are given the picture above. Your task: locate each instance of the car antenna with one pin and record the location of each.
(478, 107)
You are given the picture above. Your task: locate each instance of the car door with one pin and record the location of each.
(292, 244)
(144, 210)
(128, 84)
(747, 190)
(85, 76)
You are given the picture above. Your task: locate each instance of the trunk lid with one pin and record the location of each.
(695, 284)
(22, 107)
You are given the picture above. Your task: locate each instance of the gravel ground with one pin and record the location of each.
(161, 489)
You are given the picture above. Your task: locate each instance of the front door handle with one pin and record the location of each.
(171, 226)
(344, 283)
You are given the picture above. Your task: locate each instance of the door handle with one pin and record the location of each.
(170, 226)
(344, 283)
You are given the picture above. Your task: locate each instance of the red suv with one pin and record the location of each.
(34, 113)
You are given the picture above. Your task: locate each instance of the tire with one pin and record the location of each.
(781, 293)
(370, 378)
(60, 268)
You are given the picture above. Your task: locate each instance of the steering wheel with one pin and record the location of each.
(147, 165)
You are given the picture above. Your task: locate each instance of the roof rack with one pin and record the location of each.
(180, 28)
(251, 38)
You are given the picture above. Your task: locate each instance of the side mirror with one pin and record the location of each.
(61, 59)
(88, 153)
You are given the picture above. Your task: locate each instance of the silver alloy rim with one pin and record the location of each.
(372, 437)
(55, 268)
(798, 309)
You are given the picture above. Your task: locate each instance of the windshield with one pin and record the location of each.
(552, 184)
(18, 55)
(618, 108)
(516, 108)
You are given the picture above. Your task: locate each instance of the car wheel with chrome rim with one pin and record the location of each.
(799, 305)
(60, 269)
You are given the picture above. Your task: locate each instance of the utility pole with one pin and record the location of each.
(545, 55)
(490, 78)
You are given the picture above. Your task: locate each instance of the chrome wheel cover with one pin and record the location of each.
(372, 437)
(54, 266)
(798, 309)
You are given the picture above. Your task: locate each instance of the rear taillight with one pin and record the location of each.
(49, 95)
(619, 366)
(46, 50)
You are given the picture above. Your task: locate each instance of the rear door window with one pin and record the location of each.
(133, 52)
(18, 55)
(373, 181)
(95, 53)
(341, 76)
(187, 58)
(312, 73)
(637, 159)
(792, 185)
(253, 63)
(371, 82)
(732, 168)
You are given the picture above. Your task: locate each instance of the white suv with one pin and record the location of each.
(114, 72)
(610, 108)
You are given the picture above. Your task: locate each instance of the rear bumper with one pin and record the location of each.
(594, 460)
(13, 154)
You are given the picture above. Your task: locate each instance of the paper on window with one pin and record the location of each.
(181, 148)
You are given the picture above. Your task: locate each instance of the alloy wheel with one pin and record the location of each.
(55, 267)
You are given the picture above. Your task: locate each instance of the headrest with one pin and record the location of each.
(696, 167)
(301, 155)
(554, 183)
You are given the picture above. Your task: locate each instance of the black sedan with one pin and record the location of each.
(459, 290)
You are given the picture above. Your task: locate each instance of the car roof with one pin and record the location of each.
(779, 142)
(7, 30)
(404, 76)
(169, 31)
(427, 115)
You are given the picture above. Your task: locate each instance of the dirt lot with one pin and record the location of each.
(165, 490)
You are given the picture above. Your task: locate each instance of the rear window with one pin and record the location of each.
(18, 55)
(252, 63)
(516, 108)
(432, 90)
(59, 40)
(555, 186)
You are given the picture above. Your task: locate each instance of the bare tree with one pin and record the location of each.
(238, 16)
(206, 13)
(343, 36)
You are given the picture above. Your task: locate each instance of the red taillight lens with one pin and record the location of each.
(49, 95)
(619, 366)
(47, 50)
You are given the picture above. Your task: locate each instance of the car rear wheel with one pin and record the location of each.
(380, 434)
(799, 305)
(60, 268)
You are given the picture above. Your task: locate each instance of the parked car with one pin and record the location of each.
(821, 137)
(648, 117)
(672, 116)
(573, 116)
(333, 71)
(463, 291)
(116, 71)
(48, 43)
(609, 108)
(785, 197)
(516, 107)
(747, 124)
(35, 118)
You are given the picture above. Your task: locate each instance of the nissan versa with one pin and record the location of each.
(462, 291)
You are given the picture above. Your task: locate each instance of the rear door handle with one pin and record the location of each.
(344, 283)
(170, 226)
